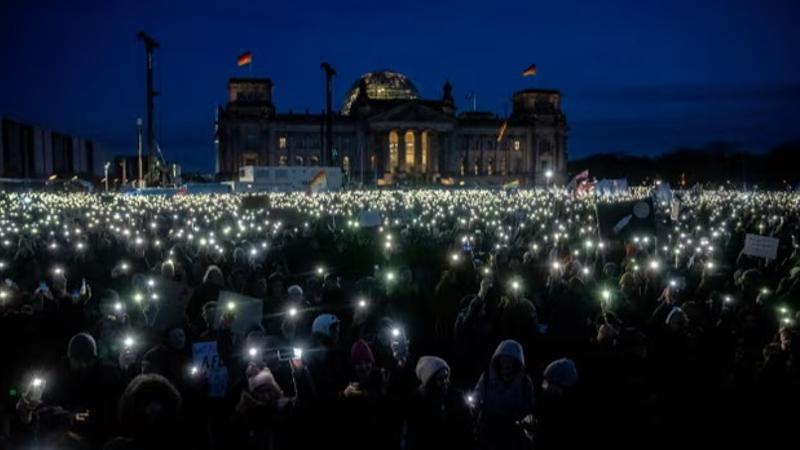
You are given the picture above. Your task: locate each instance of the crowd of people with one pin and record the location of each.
(465, 319)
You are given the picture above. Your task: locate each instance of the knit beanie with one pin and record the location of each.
(561, 372)
(428, 366)
(361, 353)
(262, 378)
(322, 324)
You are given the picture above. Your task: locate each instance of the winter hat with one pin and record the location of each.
(214, 276)
(561, 372)
(512, 349)
(82, 347)
(428, 366)
(295, 290)
(361, 353)
(262, 378)
(322, 324)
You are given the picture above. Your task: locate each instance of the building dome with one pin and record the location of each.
(382, 85)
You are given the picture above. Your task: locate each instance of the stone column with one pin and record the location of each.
(433, 152)
(401, 151)
(418, 151)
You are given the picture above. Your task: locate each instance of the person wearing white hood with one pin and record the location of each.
(504, 396)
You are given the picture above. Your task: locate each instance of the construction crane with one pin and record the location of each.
(327, 138)
(156, 165)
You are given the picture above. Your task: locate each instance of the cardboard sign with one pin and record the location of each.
(369, 219)
(621, 219)
(675, 210)
(248, 311)
(761, 246)
(205, 355)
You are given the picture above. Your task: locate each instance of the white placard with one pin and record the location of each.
(369, 219)
(761, 246)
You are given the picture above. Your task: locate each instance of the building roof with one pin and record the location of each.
(381, 85)
(538, 91)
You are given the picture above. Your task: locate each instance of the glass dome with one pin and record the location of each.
(382, 85)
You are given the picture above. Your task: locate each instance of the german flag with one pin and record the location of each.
(530, 71)
(502, 133)
(244, 59)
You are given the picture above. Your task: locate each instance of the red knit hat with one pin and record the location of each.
(360, 352)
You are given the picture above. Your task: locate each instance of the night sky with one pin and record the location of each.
(638, 76)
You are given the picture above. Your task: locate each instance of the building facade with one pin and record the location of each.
(385, 133)
(28, 151)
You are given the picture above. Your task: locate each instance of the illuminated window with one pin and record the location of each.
(410, 157)
(394, 159)
(315, 160)
(250, 159)
(517, 145)
(490, 167)
(283, 161)
(424, 162)
(282, 142)
(298, 160)
(476, 166)
(373, 162)
(502, 168)
(463, 167)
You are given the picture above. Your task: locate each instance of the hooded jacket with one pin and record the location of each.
(501, 404)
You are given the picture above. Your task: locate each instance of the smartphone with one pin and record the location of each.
(288, 354)
(36, 389)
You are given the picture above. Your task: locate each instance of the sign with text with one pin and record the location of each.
(761, 246)
(206, 356)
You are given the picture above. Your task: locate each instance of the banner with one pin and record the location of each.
(206, 357)
(611, 187)
(255, 202)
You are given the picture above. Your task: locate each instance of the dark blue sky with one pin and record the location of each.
(638, 76)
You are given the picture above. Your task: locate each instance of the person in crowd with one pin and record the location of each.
(504, 396)
(437, 416)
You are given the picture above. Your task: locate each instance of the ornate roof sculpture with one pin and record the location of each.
(381, 85)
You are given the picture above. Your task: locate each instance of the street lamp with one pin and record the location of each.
(139, 148)
(548, 174)
(105, 169)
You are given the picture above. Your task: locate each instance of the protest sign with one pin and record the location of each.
(616, 220)
(206, 357)
(248, 311)
(761, 246)
(369, 219)
(675, 210)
